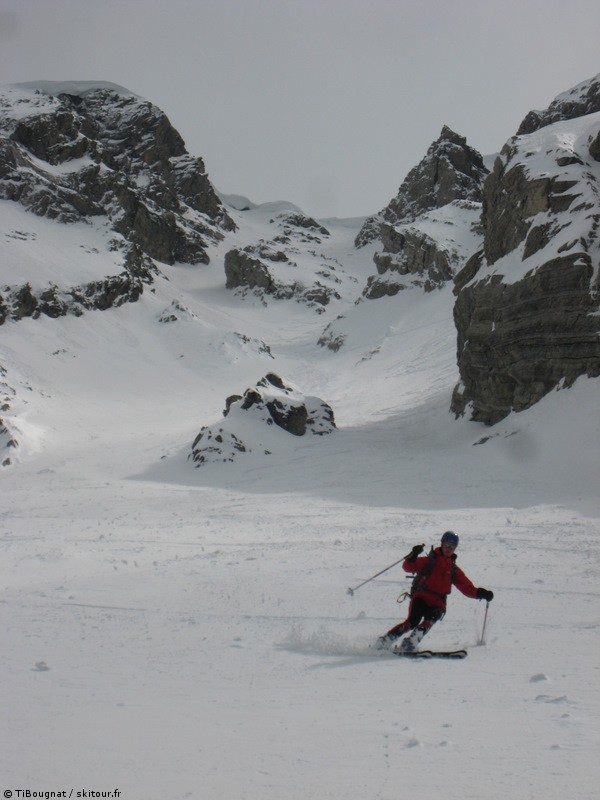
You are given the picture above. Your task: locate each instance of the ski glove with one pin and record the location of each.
(416, 551)
(485, 594)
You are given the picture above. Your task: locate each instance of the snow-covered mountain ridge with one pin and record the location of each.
(181, 628)
(102, 204)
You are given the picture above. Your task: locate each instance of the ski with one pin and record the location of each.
(431, 654)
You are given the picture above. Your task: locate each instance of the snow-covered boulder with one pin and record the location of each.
(261, 420)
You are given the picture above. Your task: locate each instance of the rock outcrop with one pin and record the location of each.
(23, 301)
(271, 268)
(295, 226)
(451, 170)
(528, 304)
(245, 271)
(273, 402)
(8, 440)
(419, 246)
(102, 151)
(426, 253)
(96, 153)
(577, 102)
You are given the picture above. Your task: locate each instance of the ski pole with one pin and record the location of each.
(482, 639)
(351, 591)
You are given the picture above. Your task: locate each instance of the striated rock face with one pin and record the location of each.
(418, 245)
(247, 418)
(528, 304)
(96, 153)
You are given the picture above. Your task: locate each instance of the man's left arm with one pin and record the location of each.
(463, 584)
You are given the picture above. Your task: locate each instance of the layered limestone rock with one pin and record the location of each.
(418, 229)
(528, 304)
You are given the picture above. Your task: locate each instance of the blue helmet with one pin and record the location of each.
(450, 537)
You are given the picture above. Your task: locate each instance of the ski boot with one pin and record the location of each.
(385, 642)
(410, 643)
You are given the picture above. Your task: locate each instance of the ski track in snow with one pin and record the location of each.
(183, 633)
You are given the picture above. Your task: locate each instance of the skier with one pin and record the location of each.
(435, 576)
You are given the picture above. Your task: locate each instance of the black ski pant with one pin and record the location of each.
(420, 615)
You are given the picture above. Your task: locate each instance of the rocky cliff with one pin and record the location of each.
(579, 101)
(527, 309)
(8, 439)
(97, 154)
(271, 268)
(422, 230)
(528, 304)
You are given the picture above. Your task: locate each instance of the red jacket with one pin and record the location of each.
(434, 588)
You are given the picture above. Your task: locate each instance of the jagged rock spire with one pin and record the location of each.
(451, 170)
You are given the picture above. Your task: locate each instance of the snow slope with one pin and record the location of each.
(181, 632)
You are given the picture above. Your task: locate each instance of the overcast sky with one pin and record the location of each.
(325, 103)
